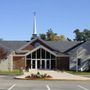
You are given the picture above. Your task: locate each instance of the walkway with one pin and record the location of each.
(57, 75)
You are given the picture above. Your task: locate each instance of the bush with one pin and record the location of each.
(38, 76)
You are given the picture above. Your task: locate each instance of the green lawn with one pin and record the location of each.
(14, 72)
(79, 73)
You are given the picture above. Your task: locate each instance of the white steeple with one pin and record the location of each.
(34, 24)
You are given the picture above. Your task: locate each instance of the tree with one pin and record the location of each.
(82, 36)
(61, 37)
(51, 36)
(42, 36)
(3, 53)
(86, 34)
(69, 39)
(78, 35)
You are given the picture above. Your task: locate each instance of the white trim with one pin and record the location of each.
(20, 51)
(40, 64)
(31, 64)
(35, 64)
(42, 48)
(18, 55)
(25, 61)
(45, 62)
(11, 62)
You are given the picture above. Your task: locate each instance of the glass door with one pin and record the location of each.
(43, 64)
(38, 64)
(33, 64)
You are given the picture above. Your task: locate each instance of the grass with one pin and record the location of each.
(14, 72)
(79, 73)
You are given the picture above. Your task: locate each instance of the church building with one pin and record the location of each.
(40, 54)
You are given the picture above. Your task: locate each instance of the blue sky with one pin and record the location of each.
(63, 16)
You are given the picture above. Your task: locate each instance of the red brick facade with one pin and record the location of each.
(18, 62)
(62, 63)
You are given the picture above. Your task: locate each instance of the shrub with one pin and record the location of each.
(38, 76)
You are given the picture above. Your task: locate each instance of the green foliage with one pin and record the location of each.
(82, 35)
(14, 72)
(51, 36)
(43, 36)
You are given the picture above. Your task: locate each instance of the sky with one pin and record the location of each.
(63, 16)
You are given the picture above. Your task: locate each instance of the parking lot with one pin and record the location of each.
(8, 83)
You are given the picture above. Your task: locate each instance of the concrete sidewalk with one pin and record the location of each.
(57, 75)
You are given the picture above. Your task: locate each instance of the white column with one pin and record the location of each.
(40, 58)
(45, 64)
(11, 59)
(31, 60)
(50, 62)
(40, 63)
(35, 63)
(25, 61)
(31, 63)
(36, 60)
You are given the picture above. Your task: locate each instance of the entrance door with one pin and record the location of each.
(43, 64)
(33, 64)
(38, 64)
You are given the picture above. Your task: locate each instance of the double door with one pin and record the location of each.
(40, 64)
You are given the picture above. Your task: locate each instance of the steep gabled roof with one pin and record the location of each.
(62, 46)
(13, 45)
(33, 40)
(84, 46)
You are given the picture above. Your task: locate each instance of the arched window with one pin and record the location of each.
(36, 44)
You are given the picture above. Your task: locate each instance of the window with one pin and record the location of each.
(43, 53)
(36, 44)
(34, 55)
(47, 55)
(38, 53)
(52, 56)
(79, 62)
(29, 56)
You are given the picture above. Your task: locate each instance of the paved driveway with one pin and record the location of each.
(8, 83)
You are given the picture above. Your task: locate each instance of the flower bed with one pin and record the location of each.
(38, 76)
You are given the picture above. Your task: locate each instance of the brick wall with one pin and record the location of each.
(18, 62)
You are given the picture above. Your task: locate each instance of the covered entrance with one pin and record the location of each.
(41, 59)
(39, 64)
